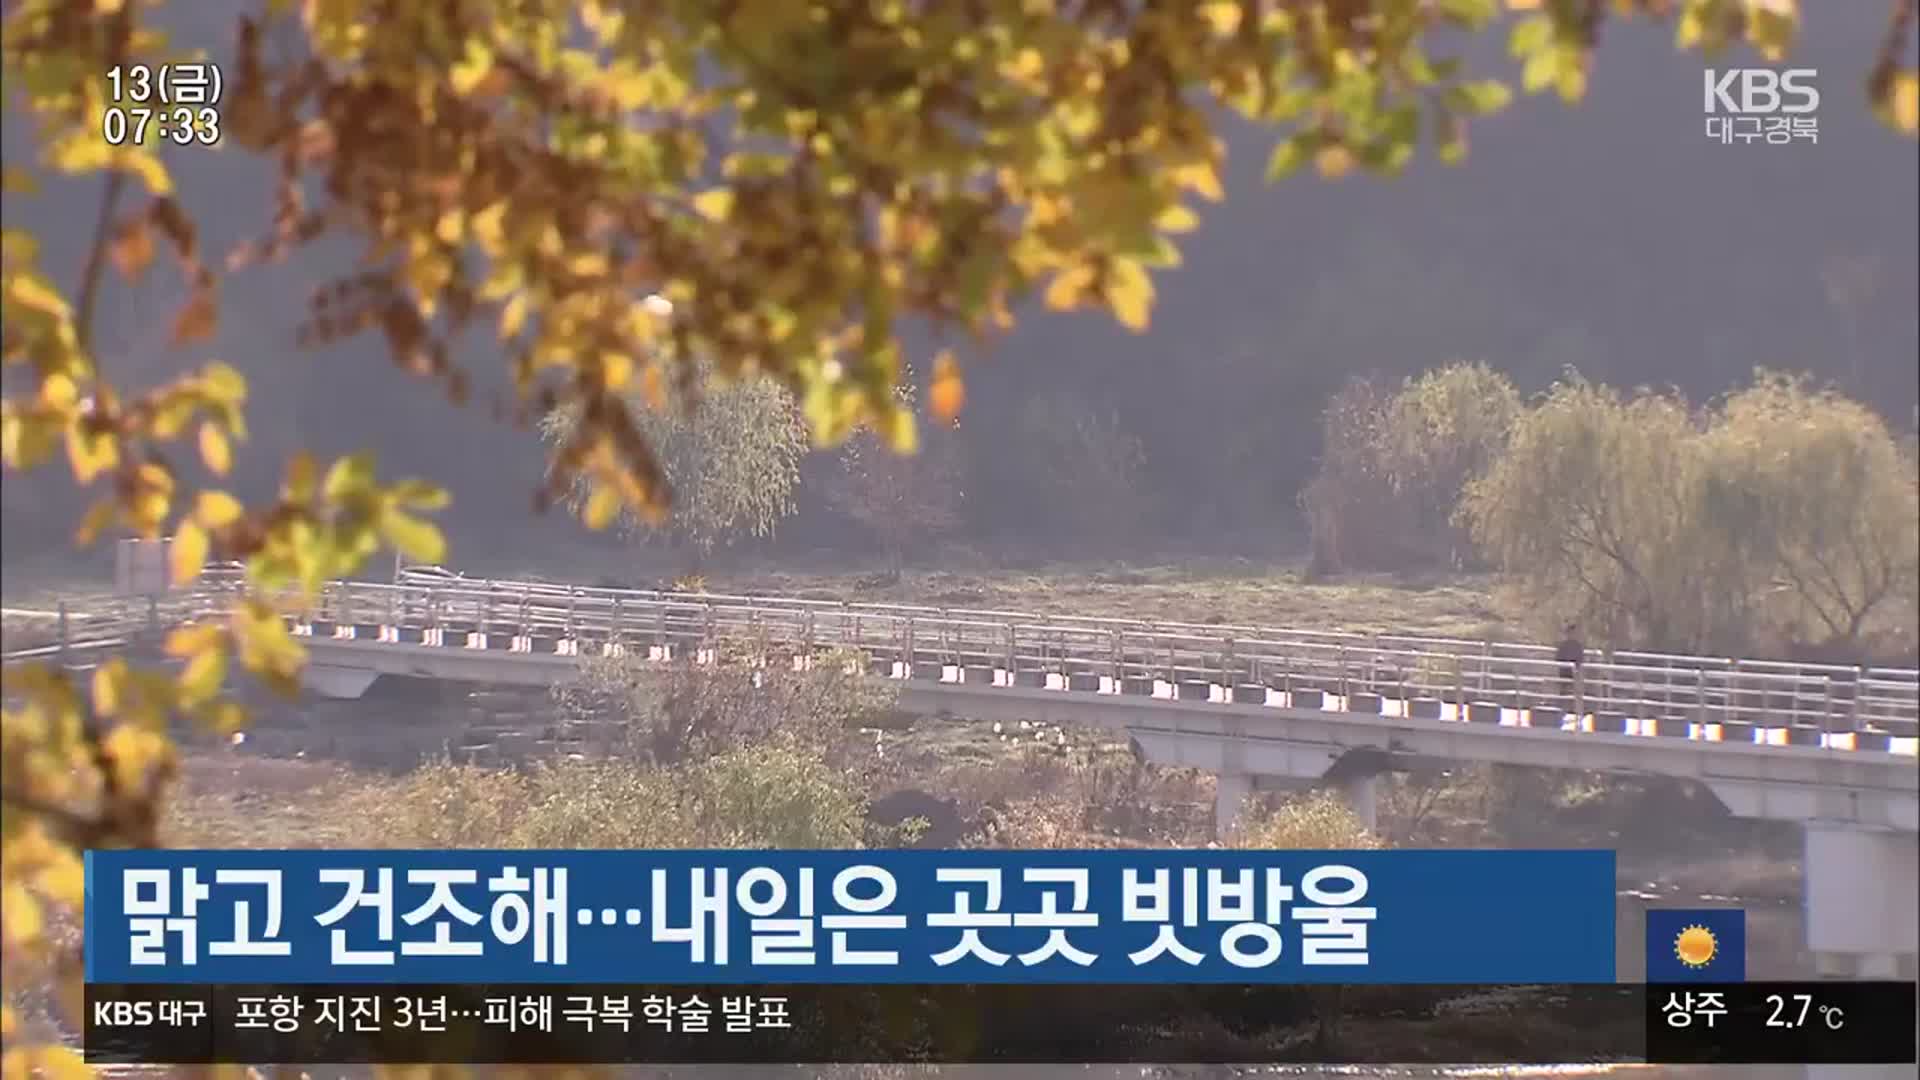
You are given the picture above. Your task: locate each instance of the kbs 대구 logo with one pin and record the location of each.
(1755, 104)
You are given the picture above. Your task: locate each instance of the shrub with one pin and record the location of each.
(1353, 519)
(1393, 466)
(752, 797)
(771, 797)
(682, 711)
(1316, 821)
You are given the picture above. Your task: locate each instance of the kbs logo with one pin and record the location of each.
(1761, 91)
(1752, 104)
(123, 1013)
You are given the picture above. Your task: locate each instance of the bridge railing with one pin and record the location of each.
(1029, 647)
(1103, 652)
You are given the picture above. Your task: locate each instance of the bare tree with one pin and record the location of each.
(902, 499)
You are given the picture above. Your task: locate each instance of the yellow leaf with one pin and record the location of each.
(1130, 293)
(135, 751)
(149, 511)
(265, 646)
(63, 879)
(419, 540)
(109, 686)
(900, 432)
(602, 505)
(513, 316)
(227, 717)
(32, 291)
(214, 449)
(1177, 219)
(55, 1062)
(1903, 102)
(148, 168)
(19, 915)
(203, 677)
(616, 369)
(714, 205)
(488, 227)
(471, 70)
(1224, 15)
(192, 639)
(349, 477)
(1333, 161)
(1068, 286)
(217, 509)
(188, 552)
(1200, 177)
(224, 383)
(418, 494)
(948, 392)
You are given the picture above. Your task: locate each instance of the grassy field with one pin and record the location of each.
(1192, 589)
(1239, 592)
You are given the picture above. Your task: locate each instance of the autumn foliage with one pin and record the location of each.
(801, 181)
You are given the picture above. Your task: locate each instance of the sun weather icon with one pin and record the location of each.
(1695, 946)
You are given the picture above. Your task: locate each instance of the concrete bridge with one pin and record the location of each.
(1833, 748)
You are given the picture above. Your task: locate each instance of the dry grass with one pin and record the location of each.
(1238, 591)
(760, 797)
(234, 799)
(1232, 590)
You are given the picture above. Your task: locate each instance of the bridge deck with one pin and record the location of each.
(1502, 685)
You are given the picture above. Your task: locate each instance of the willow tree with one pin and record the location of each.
(1821, 501)
(1785, 517)
(1595, 507)
(731, 450)
(801, 180)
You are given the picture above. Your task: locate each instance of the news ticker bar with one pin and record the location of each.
(526, 1024)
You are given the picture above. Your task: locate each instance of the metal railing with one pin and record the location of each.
(1026, 646)
(1403, 674)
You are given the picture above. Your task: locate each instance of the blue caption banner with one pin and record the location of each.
(1212, 916)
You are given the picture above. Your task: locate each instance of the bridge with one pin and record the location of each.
(1831, 747)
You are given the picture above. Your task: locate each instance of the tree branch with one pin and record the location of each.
(97, 262)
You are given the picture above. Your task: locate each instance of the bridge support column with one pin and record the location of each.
(1231, 791)
(1362, 794)
(1863, 900)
